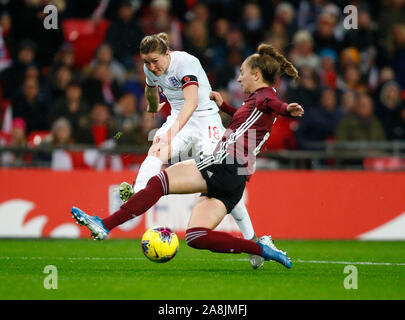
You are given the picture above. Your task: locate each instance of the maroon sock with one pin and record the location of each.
(140, 202)
(216, 241)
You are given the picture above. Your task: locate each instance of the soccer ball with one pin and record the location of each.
(160, 244)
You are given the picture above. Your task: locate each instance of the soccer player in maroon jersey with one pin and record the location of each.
(222, 176)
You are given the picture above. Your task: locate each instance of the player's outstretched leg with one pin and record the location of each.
(95, 224)
(217, 241)
(242, 219)
(270, 251)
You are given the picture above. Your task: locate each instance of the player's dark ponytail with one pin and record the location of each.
(271, 62)
(155, 43)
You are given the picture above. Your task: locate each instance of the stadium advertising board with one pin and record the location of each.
(286, 204)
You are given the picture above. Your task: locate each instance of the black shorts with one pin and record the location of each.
(224, 181)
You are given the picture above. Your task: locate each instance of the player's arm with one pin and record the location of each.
(190, 94)
(225, 107)
(274, 104)
(152, 97)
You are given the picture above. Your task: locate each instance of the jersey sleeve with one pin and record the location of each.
(149, 81)
(271, 103)
(187, 72)
(227, 108)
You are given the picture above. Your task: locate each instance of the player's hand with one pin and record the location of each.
(216, 96)
(159, 107)
(162, 146)
(295, 110)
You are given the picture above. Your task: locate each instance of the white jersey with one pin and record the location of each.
(184, 69)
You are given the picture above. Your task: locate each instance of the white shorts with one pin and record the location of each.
(198, 137)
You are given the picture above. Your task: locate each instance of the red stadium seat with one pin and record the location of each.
(85, 36)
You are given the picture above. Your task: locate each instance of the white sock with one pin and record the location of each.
(242, 219)
(150, 167)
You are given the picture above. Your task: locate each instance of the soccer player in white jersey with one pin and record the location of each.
(194, 123)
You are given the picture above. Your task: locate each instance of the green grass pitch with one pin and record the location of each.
(117, 269)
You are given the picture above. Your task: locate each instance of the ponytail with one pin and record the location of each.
(286, 66)
(271, 63)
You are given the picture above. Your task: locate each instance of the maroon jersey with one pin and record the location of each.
(250, 127)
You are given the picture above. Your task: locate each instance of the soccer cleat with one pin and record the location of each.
(126, 191)
(255, 261)
(95, 224)
(270, 252)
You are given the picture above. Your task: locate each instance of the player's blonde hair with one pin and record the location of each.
(155, 43)
(271, 63)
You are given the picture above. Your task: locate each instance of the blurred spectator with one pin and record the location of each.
(61, 133)
(363, 125)
(59, 137)
(397, 128)
(229, 70)
(5, 26)
(397, 52)
(200, 12)
(327, 72)
(44, 94)
(349, 100)
(105, 55)
(352, 80)
(160, 20)
(393, 12)
(198, 44)
(127, 118)
(385, 75)
(302, 54)
(39, 72)
(65, 56)
(389, 103)
(17, 138)
(136, 80)
(28, 22)
(308, 11)
(60, 81)
(324, 35)
(100, 86)
(252, 24)
(278, 31)
(97, 127)
(13, 76)
(30, 107)
(71, 106)
(125, 34)
(285, 14)
(222, 28)
(349, 57)
(319, 123)
(306, 90)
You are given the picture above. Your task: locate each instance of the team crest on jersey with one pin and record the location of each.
(173, 81)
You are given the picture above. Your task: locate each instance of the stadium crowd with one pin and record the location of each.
(83, 82)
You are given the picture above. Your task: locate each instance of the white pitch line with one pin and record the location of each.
(197, 259)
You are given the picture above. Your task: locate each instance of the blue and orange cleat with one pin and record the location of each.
(95, 224)
(270, 252)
